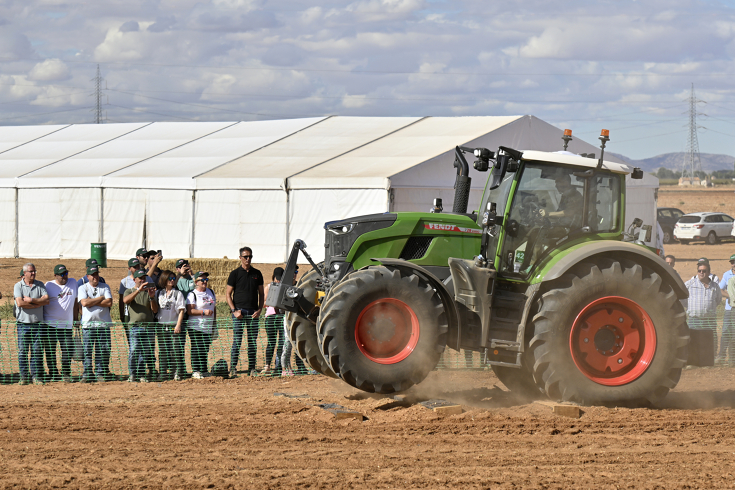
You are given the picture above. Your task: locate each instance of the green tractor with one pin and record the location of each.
(543, 281)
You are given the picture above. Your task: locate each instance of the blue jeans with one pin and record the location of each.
(179, 354)
(29, 338)
(65, 338)
(139, 342)
(245, 322)
(273, 324)
(47, 334)
(96, 338)
(200, 343)
(727, 342)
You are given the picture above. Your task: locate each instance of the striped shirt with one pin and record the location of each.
(703, 301)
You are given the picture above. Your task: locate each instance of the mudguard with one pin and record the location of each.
(616, 250)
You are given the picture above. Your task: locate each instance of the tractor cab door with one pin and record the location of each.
(547, 208)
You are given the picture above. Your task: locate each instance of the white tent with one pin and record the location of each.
(205, 189)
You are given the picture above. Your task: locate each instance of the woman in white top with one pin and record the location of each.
(200, 304)
(171, 309)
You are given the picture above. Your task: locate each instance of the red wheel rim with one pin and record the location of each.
(387, 331)
(613, 341)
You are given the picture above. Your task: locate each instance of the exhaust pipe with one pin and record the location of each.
(462, 184)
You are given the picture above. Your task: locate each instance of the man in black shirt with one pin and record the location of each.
(245, 296)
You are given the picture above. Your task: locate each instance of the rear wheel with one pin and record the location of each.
(712, 238)
(668, 237)
(609, 333)
(302, 332)
(382, 330)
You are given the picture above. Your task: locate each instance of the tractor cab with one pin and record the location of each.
(552, 199)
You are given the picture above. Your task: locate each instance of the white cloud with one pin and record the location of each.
(50, 70)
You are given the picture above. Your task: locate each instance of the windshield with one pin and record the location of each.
(499, 196)
(690, 219)
(548, 206)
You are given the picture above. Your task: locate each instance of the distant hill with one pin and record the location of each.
(673, 161)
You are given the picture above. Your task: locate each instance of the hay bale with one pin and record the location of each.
(219, 270)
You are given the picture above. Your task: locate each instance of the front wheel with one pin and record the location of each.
(610, 332)
(381, 330)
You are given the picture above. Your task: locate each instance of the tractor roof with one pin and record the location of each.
(568, 158)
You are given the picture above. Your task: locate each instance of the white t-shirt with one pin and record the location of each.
(169, 305)
(95, 315)
(59, 312)
(202, 301)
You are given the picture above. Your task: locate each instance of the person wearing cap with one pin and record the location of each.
(712, 276)
(95, 299)
(149, 260)
(245, 296)
(30, 297)
(126, 283)
(201, 307)
(60, 315)
(727, 343)
(185, 282)
(90, 263)
(141, 303)
(704, 298)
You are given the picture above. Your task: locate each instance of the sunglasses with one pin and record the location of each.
(64, 274)
(203, 279)
(246, 256)
(171, 278)
(702, 271)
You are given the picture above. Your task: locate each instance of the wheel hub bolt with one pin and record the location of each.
(586, 340)
(620, 320)
(620, 361)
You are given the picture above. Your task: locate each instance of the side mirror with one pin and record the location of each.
(499, 169)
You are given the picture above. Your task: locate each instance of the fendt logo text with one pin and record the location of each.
(439, 226)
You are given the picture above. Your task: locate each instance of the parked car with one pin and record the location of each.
(710, 227)
(667, 218)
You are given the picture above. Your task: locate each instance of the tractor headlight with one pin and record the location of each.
(341, 229)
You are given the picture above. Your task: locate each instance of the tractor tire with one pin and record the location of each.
(610, 333)
(302, 332)
(712, 238)
(519, 381)
(382, 331)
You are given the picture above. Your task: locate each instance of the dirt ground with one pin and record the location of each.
(216, 433)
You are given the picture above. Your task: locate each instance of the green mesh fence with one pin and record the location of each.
(154, 351)
(158, 353)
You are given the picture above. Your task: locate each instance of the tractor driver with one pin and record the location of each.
(571, 203)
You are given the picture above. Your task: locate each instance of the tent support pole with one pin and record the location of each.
(101, 232)
(193, 217)
(17, 221)
(288, 225)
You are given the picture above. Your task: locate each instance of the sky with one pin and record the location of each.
(627, 66)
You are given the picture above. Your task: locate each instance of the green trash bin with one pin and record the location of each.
(99, 253)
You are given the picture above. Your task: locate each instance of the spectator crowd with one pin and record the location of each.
(155, 306)
(706, 292)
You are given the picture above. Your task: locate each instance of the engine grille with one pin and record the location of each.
(416, 247)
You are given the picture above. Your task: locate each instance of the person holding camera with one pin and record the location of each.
(142, 305)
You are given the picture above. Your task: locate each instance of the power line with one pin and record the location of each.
(387, 72)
